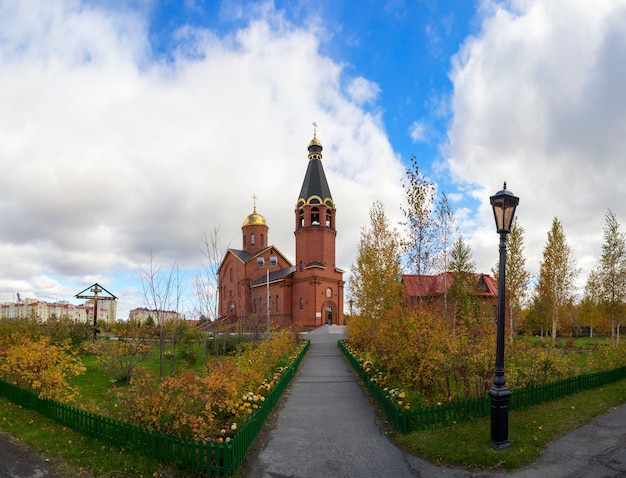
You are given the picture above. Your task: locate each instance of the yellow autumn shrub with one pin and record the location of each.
(42, 368)
(212, 405)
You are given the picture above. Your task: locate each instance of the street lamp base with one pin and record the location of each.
(499, 417)
(499, 446)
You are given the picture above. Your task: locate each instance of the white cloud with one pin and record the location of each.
(362, 91)
(108, 155)
(538, 102)
(417, 131)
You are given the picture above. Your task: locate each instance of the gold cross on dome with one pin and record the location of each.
(315, 129)
(254, 198)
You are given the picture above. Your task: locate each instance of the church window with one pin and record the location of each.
(301, 218)
(328, 220)
(301, 303)
(230, 274)
(315, 217)
(252, 239)
(261, 240)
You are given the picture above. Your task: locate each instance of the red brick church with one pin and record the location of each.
(306, 294)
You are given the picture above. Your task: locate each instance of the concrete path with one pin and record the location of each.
(326, 428)
(19, 461)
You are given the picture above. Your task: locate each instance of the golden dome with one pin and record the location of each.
(254, 219)
(314, 142)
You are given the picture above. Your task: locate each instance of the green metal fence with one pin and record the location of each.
(219, 459)
(463, 410)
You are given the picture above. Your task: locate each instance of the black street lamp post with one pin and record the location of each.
(503, 203)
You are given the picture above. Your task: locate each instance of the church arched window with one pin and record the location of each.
(262, 244)
(252, 239)
(301, 218)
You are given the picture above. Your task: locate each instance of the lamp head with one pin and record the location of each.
(504, 203)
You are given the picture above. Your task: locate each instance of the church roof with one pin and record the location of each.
(275, 276)
(315, 188)
(435, 285)
(243, 255)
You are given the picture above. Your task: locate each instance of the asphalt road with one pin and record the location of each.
(19, 461)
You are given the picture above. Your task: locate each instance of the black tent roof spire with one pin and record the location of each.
(315, 188)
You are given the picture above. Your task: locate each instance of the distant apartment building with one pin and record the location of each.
(141, 315)
(43, 310)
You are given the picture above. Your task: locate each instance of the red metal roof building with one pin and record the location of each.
(429, 290)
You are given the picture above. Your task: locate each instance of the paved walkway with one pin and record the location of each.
(326, 428)
(19, 461)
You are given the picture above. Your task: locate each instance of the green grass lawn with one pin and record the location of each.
(77, 455)
(94, 384)
(579, 342)
(530, 429)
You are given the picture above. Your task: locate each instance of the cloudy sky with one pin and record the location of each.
(130, 131)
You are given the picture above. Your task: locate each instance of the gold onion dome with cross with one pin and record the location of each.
(314, 142)
(254, 219)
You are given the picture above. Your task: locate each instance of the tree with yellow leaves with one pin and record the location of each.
(42, 368)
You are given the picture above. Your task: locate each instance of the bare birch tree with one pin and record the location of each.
(207, 281)
(418, 211)
(163, 292)
(445, 233)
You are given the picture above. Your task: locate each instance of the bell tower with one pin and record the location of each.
(318, 284)
(254, 232)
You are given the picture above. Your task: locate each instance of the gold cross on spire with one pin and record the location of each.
(314, 129)
(254, 198)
